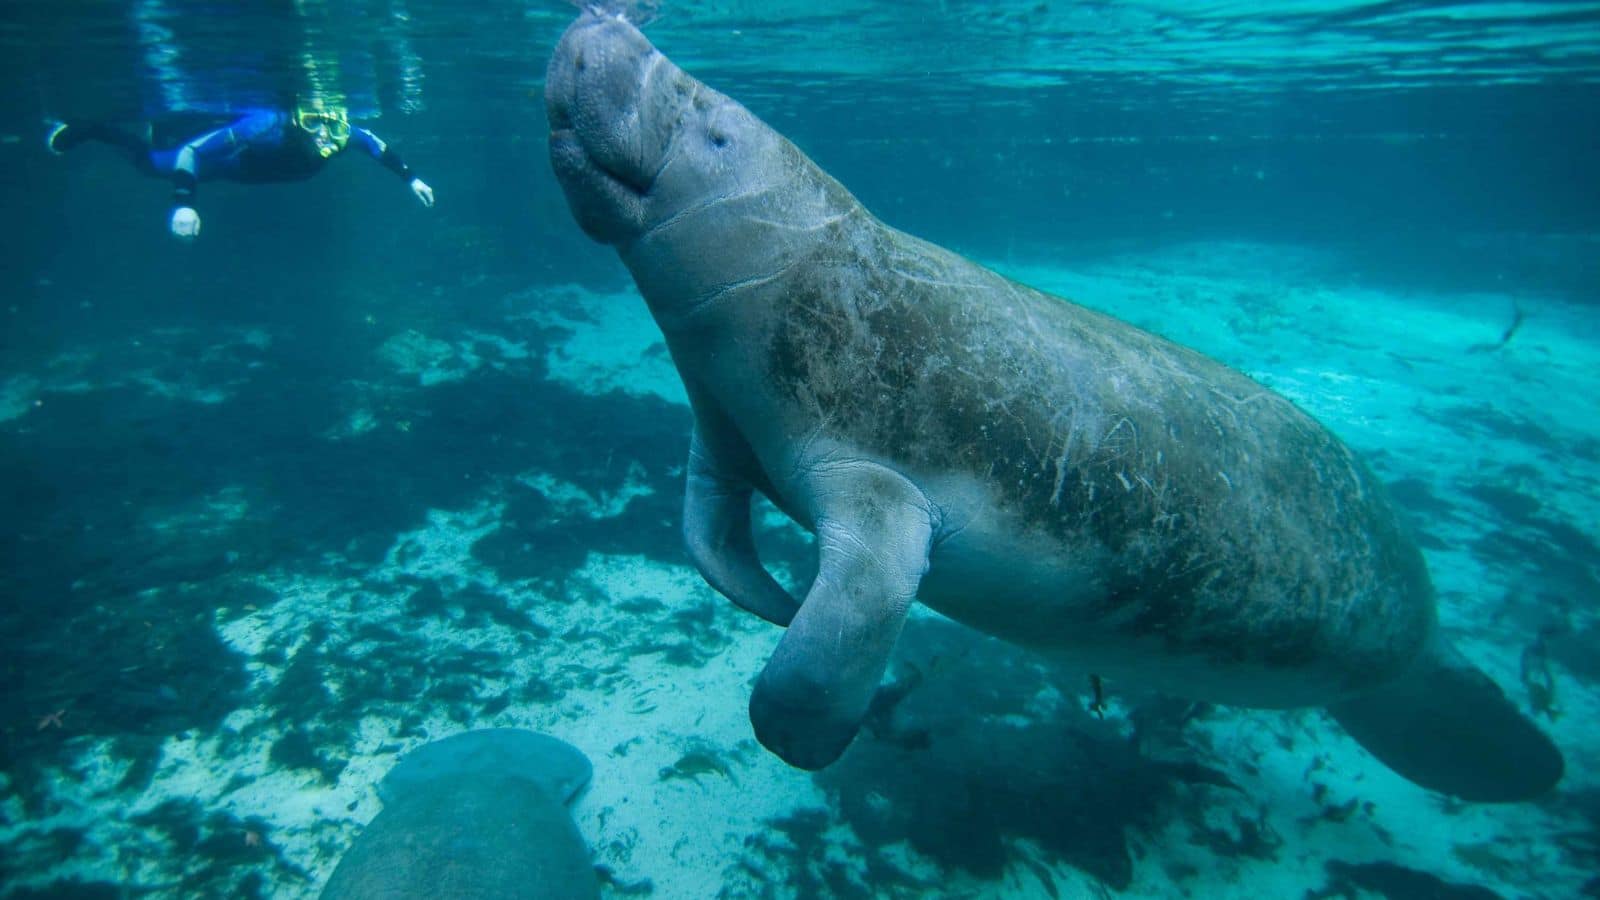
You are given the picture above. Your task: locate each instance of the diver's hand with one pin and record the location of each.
(423, 192)
(185, 223)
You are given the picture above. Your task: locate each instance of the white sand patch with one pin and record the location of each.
(209, 515)
(76, 803)
(442, 549)
(574, 500)
(503, 348)
(368, 406)
(611, 343)
(203, 395)
(639, 722)
(18, 394)
(359, 422)
(430, 360)
(682, 831)
(159, 362)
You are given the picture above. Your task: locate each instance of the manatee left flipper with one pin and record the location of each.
(716, 531)
(873, 538)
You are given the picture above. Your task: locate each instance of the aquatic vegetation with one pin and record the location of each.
(217, 848)
(474, 606)
(984, 775)
(1394, 882)
(795, 844)
(296, 749)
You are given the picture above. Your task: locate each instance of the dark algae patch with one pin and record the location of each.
(956, 761)
(1393, 882)
(220, 853)
(795, 846)
(297, 750)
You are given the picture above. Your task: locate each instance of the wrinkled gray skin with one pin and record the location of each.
(1034, 469)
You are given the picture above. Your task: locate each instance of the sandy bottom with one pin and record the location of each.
(650, 670)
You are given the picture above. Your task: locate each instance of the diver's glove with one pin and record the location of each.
(423, 192)
(185, 223)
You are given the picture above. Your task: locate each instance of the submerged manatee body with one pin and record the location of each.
(1034, 469)
(480, 814)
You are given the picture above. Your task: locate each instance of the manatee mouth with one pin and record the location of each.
(593, 96)
(571, 141)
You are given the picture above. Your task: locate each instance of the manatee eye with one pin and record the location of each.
(718, 139)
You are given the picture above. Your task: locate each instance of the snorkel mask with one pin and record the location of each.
(329, 129)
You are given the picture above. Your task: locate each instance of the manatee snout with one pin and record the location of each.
(602, 155)
(593, 80)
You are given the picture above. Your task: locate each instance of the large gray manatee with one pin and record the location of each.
(1031, 468)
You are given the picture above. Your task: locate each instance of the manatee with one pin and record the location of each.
(1031, 468)
(479, 814)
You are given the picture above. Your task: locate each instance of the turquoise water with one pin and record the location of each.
(347, 475)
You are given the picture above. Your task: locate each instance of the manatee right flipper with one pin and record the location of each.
(717, 532)
(1446, 726)
(873, 538)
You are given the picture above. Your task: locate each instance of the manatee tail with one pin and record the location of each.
(1447, 727)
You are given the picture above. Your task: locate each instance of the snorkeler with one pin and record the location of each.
(257, 146)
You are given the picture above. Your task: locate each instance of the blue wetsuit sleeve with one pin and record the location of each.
(215, 152)
(381, 152)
